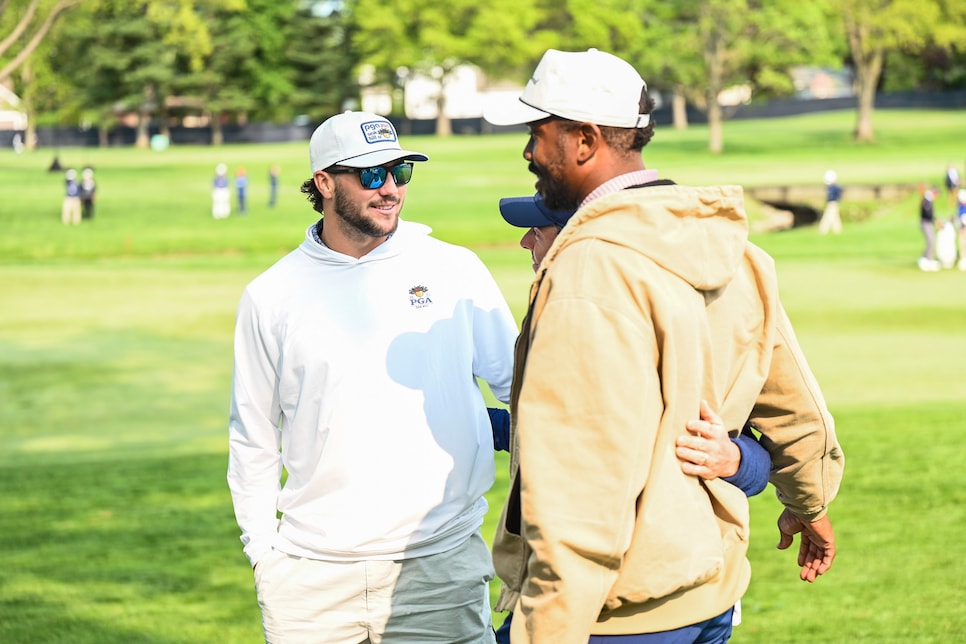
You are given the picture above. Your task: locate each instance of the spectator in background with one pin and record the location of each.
(241, 188)
(70, 210)
(961, 226)
(952, 181)
(88, 188)
(831, 220)
(927, 222)
(220, 194)
(273, 173)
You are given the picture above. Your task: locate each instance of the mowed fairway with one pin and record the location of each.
(116, 354)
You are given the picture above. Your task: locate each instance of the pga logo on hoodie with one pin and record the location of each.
(419, 297)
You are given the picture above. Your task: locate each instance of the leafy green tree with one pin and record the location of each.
(128, 56)
(695, 49)
(111, 56)
(933, 68)
(499, 36)
(717, 44)
(876, 28)
(322, 60)
(23, 27)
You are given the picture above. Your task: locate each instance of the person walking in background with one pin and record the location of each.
(831, 220)
(961, 227)
(241, 190)
(220, 193)
(357, 358)
(602, 533)
(70, 209)
(273, 174)
(952, 182)
(88, 190)
(927, 222)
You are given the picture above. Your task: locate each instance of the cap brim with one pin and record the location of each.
(512, 112)
(381, 157)
(530, 212)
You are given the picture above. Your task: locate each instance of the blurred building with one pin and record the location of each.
(822, 82)
(11, 118)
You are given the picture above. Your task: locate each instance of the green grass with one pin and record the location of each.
(115, 365)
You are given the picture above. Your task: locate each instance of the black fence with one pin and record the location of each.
(64, 137)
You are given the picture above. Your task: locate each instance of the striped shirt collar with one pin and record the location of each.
(620, 182)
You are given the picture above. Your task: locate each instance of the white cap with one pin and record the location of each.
(357, 140)
(587, 86)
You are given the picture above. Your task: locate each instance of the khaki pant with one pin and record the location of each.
(440, 598)
(830, 221)
(70, 211)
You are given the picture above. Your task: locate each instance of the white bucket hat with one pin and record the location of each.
(357, 140)
(587, 86)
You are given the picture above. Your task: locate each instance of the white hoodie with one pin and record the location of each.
(359, 377)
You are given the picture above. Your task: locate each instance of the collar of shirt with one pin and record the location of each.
(620, 182)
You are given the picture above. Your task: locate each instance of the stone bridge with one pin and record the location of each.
(806, 202)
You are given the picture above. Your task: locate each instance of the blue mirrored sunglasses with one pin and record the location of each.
(372, 178)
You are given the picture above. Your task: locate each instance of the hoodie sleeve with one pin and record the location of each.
(494, 334)
(798, 430)
(254, 460)
(752, 475)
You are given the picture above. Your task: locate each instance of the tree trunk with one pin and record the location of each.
(714, 52)
(444, 126)
(867, 59)
(26, 104)
(867, 79)
(217, 135)
(715, 127)
(679, 110)
(141, 139)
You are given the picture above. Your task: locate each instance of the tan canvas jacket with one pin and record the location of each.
(649, 300)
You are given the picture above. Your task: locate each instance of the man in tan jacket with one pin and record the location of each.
(649, 301)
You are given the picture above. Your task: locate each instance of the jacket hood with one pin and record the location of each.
(697, 233)
(407, 233)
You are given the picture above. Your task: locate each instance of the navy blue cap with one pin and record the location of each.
(531, 212)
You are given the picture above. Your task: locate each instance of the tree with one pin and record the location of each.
(876, 27)
(27, 30)
(118, 59)
(698, 48)
(718, 44)
(248, 72)
(500, 36)
(323, 83)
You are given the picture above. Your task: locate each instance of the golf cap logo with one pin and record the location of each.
(378, 132)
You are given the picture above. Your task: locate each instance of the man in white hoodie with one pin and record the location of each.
(360, 445)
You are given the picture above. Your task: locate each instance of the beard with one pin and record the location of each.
(355, 223)
(553, 184)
